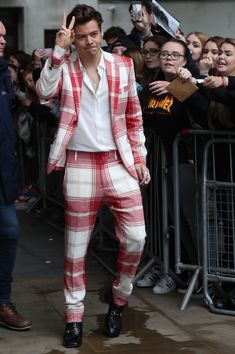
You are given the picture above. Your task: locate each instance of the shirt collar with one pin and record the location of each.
(101, 64)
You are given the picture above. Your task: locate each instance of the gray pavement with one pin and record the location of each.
(151, 323)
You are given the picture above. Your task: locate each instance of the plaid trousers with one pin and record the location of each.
(92, 179)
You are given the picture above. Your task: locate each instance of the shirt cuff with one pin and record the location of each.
(58, 52)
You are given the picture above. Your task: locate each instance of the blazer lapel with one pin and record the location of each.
(113, 77)
(76, 81)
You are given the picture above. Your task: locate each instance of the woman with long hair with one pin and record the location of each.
(195, 42)
(209, 56)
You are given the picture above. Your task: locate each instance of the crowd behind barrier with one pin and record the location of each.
(211, 170)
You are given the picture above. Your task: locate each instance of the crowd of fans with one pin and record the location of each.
(158, 58)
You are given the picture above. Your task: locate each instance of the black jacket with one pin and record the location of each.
(167, 116)
(9, 166)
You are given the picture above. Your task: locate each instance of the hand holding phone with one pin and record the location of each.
(136, 11)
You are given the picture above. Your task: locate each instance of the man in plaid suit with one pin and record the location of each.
(100, 142)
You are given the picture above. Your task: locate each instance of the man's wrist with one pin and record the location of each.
(57, 57)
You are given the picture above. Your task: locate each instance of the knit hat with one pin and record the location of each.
(125, 42)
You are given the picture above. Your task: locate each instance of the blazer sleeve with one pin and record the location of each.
(134, 120)
(50, 81)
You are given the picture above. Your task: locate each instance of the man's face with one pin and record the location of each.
(87, 39)
(2, 39)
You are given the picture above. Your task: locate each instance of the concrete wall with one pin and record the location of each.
(211, 17)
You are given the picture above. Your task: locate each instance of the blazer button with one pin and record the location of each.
(75, 123)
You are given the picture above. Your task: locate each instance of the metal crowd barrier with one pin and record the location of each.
(218, 191)
(212, 201)
(152, 200)
(187, 210)
(30, 153)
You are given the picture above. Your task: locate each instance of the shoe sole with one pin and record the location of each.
(72, 346)
(163, 292)
(145, 286)
(15, 328)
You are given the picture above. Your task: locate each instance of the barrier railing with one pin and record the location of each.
(219, 222)
(205, 226)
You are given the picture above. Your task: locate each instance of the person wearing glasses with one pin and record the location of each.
(166, 116)
(172, 61)
(150, 54)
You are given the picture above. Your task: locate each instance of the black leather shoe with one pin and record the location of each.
(73, 335)
(113, 320)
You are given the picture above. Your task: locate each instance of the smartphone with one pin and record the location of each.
(136, 12)
(200, 81)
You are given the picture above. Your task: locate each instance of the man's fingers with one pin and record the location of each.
(64, 20)
(72, 23)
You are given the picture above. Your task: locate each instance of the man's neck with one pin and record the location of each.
(92, 61)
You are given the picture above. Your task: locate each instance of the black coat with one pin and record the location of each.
(9, 165)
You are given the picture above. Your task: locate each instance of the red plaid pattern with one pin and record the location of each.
(66, 77)
(92, 179)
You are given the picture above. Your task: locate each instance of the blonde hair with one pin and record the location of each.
(200, 35)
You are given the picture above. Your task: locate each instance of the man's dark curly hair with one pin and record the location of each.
(84, 13)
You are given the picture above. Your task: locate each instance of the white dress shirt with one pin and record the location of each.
(94, 130)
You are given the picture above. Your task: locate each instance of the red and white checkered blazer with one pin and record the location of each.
(65, 76)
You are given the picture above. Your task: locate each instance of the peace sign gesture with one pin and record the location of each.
(65, 36)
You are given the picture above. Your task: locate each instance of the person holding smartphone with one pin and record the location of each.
(141, 17)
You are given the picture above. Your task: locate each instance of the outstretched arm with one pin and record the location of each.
(49, 84)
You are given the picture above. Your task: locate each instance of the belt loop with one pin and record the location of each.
(75, 156)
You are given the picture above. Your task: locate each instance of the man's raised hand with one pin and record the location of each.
(65, 36)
